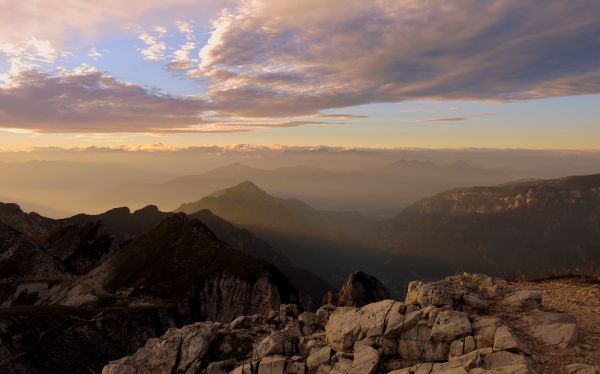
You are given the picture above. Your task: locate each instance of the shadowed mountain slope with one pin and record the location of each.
(330, 244)
(529, 227)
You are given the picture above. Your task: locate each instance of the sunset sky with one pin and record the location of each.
(385, 73)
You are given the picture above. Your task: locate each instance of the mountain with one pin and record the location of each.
(80, 247)
(245, 241)
(123, 223)
(329, 244)
(528, 227)
(22, 259)
(383, 189)
(246, 203)
(31, 224)
(182, 262)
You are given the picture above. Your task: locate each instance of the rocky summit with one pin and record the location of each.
(467, 323)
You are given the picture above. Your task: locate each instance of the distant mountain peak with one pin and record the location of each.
(10, 208)
(242, 189)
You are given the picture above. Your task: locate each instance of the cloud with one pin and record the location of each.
(94, 54)
(181, 59)
(25, 56)
(447, 119)
(283, 124)
(84, 100)
(334, 115)
(155, 46)
(286, 58)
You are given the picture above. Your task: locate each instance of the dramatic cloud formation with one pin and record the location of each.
(182, 59)
(155, 46)
(284, 57)
(286, 60)
(87, 101)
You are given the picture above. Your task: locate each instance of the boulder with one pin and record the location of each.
(450, 325)
(272, 365)
(506, 340)
(318, 357)
(525, 299)
(577, 368)
(361, 289)
(553, 328)
(366, 361)
(178, 350)
(348, 325)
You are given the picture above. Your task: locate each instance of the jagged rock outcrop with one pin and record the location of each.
(42, 340)
(388, 336)
(181, 262)
(31, 224)
(81, 247)
(536, 228)
(359, 289)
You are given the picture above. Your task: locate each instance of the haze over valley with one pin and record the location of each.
(300, 187)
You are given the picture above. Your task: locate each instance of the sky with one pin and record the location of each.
(385, 73)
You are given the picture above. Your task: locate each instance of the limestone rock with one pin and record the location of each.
(525, 299)
(366, 361)
(506, 340)
(553, 328)
(177, 350)
(347, 325)
(577, 368)
(317, 358)
(450, 325)
(361, 289)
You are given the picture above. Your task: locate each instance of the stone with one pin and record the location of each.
(278, 343)
(366, 361)
(272, 365)
(295, 368)
(506, 362)
(395, 321)
(450, 325)
(525, 299)
(553, 328)
(436, 351)
(287, 312)
(318, 357)
(178, 349)
(577, 368)
(348, 325)
(361, 289)
(220, 367)
(470, 345)
(485, 331)
(456, 348)
(506, 340)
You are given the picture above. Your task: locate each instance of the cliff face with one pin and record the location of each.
(80, 246)
(31, 224)
(358, 290)
(463, 324)
(52, 339)
(224, 297)
(22, 259)
(536, 227)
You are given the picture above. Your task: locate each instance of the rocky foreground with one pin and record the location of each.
(463, 324)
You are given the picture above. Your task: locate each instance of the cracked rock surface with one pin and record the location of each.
(468, 323)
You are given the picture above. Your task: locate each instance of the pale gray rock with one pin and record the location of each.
(578, 368)
(553, 328)
(366, 361)
(317, 358)
(450, 325)
(177, 350)
(525, 299)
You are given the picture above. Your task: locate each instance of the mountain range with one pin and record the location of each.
(121, 277)
(375, 190)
